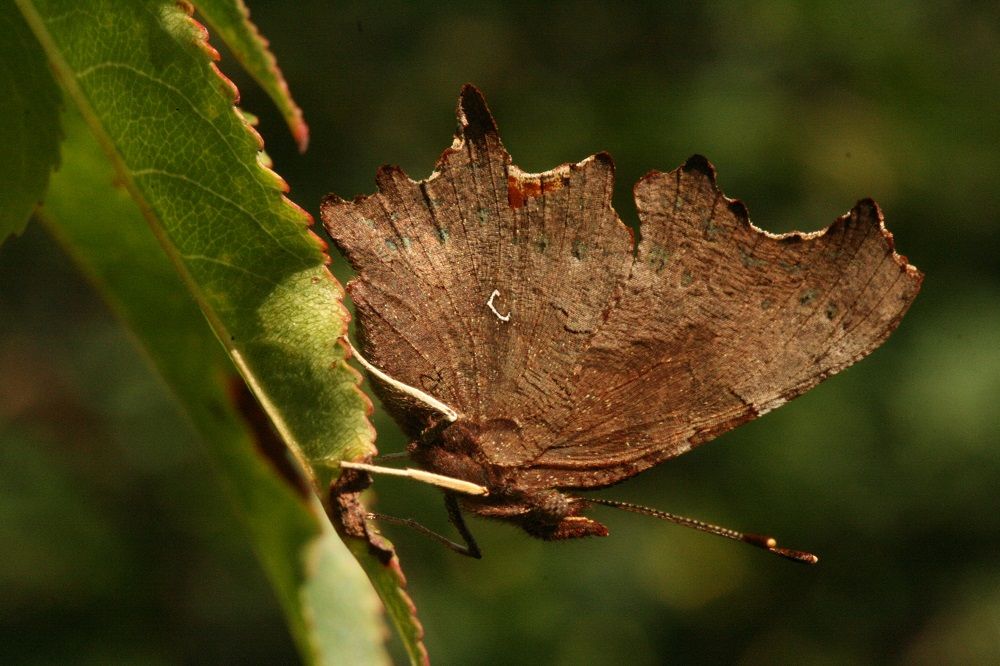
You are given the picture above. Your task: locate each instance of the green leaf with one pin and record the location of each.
(390, 584)
(332, 610)
(29, 131)
(141, 75)
(230, 19)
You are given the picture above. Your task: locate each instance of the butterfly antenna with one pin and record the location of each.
(411, 391)
(758, 540)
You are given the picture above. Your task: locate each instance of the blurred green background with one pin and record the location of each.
(118, 544)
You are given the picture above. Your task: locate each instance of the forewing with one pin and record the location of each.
(719, 323)
(547, 247)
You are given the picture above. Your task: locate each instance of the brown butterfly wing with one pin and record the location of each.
(606, 363)
(719, 323)
(430, 254)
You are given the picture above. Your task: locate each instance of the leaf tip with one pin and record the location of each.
(300, 132)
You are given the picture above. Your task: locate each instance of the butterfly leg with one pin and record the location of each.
(456, 518)
(469, 548)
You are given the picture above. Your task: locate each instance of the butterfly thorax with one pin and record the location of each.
(463, 450)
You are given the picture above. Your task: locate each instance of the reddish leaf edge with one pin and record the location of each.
(294, 119)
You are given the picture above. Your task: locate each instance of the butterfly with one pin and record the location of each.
(549, 352)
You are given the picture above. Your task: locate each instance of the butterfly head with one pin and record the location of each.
(469, 450)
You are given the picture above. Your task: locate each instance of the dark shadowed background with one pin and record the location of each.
(117, 543)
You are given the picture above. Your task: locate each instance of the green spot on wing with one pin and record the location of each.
(710, 228)
(791, 268)
(748, 260)
(657, 258)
